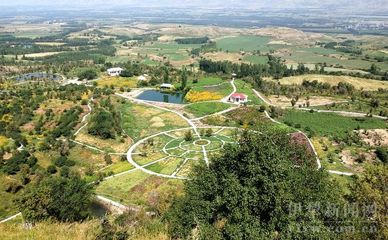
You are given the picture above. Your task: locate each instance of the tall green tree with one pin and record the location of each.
(63, 199)
(369, 193)
(184, 79)
(250, 192)
(101, 124)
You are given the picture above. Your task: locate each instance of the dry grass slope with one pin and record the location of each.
(46, 230)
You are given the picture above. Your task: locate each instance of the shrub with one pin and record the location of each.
(64, 171)
(51, 169)
(63, 199)
(108, 159)
(102, 124)
(88, 74)
(84, 102)
(209, 132)
(188, 136)
(382, 154)
(61, 161)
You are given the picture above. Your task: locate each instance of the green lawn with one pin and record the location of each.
(246, 88)
(173, 46)
(140, 120)
(330, 124)
(118, 167)
(118, 59)
(150, 62)
(167, 166)
(244, 43)
(175, 56)
(171, 50)
(358, 106)
(207, 81)
(118, 188)
(206, 108)
(316, 55)
(223, 89)
(137, 187)
(256, 59)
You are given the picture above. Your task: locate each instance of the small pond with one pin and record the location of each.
(98, 210)
(37, 76)
(157, 96)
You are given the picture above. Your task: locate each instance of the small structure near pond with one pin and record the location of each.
(114, 71)
(142, 77)
(166, 86)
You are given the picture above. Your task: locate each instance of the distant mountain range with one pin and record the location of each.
(344, 5)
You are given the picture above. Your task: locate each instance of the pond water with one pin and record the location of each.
(157, 96)
(98, 210)
(38, 75)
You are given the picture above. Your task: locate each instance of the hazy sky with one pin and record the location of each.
(351, 4)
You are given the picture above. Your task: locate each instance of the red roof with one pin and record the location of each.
(238, 95)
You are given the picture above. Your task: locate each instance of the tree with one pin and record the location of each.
(382, 154)
(63, 199)
(369, 192)
(209, 132)
(293, 102)
(108, 159)
(126, 73)
(188, 136)
(375, 103)
(51, 169)
(166, 77)
(101, 124)
(65, 171)
(374, 69)
(88, 74)
(184, 79)
(248, 193)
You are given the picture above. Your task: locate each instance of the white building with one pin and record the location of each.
(114, 71)
(238, 98)
(142, 78)
(166, 86)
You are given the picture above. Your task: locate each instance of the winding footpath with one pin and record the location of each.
(85, 117)
(193, 126)
(10, 218)
(226, 99)
(189, 121)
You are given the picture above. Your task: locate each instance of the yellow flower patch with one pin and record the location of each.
(196, 96)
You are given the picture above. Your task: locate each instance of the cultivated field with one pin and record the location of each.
(359, 83)
(329, 124)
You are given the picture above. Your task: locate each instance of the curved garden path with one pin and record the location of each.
(192, 126)
(226, 99)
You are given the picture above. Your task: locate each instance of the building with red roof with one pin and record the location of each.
(238, 98)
